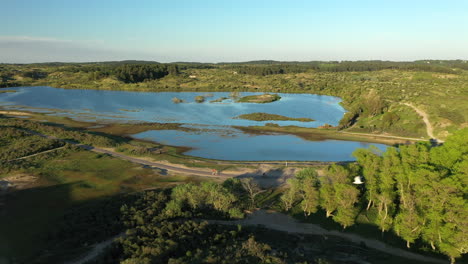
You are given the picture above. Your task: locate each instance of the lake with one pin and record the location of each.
(214, 137)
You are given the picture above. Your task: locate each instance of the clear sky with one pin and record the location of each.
(232, 30)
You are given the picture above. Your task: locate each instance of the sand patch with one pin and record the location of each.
(16, 113)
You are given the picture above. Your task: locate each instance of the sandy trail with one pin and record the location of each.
(96, 250)
(285, 223)
(425, 117)
(281, 222)
(39, 153)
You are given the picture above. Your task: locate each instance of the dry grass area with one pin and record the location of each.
(19, 181)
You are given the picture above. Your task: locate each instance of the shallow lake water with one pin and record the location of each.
(215, 137)
(89, 105)
(236, 145)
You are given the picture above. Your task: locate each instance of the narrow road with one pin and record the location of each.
(282, 222)
(96, 250)
(155, 164)
(425, 116)
(285, 223)
(39, 153)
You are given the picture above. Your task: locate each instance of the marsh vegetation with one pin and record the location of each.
(269, 117)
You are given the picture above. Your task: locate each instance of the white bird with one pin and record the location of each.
(358, 180)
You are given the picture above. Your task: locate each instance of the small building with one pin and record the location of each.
(192, 76)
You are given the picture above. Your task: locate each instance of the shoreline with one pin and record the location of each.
(127, 129)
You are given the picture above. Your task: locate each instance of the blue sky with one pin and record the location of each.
(239, 30)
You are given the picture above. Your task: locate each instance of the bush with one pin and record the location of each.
(176, 100)
(199, 99)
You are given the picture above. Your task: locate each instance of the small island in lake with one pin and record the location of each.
(219, 100)
(7, 91)
(199, 99)
(176, 100)
(259, 98)
(269, 117)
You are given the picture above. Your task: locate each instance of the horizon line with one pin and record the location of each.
(239, 62)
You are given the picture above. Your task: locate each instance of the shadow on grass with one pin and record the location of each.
(46, 224)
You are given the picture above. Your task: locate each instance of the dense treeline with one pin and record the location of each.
(271, 67)
(264, 70)
(130, 73)
(34, 74)
(418, 191)
(359, 66)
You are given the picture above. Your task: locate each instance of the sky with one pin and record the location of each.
(232, 30)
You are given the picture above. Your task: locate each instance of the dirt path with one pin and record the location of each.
(97, 249)
(285, 223)
(425, 116)
(39, 153)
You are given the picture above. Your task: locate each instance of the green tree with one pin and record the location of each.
(386, 188)
(370, 163)
(291, 195)
(307, 189)
(408, 223)
(346, 196)
(327, 196)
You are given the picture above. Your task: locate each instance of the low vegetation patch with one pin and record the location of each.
(219, 100)
(199, 99)
(268, 117)
(260, 98)
(7, 91)
(176, 100)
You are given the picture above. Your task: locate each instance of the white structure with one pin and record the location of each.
(358, 180)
